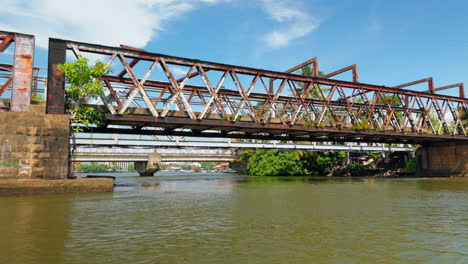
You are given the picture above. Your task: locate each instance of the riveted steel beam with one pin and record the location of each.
(352, 68)
(21, 79)
(55, 101)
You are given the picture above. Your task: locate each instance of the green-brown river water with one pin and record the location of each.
(230, 219)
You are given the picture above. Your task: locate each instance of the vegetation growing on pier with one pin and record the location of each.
(84, 86)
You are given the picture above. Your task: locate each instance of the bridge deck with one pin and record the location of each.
(275, 130)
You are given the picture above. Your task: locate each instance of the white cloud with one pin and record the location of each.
(294, 22)
(108, 22)
(179, 72)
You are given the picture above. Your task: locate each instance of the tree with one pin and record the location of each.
(464, 116)
(131, 168)
(84, 86)
(95, 167)
(291, 163)
(207, 165)
(275, 163)
(316, 91)
(321, 163)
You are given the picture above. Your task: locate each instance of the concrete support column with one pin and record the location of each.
(442, 160)
(34, 145)
(140, 167)
(148, 168)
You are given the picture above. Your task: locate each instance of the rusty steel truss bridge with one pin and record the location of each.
(156, 94)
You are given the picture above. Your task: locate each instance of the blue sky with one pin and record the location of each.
(392, 42)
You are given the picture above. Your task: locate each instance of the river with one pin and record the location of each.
(236, 219)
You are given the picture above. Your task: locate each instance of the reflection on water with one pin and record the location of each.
(34, 228)
(230, 219)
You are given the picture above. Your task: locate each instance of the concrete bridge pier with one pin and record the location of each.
(148, 168)
(443, 159)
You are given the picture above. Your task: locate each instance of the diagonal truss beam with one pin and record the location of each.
(352, 68)
(429, 81)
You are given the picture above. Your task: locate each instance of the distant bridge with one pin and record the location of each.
(136, 155)
(158, 142)
(148, 161)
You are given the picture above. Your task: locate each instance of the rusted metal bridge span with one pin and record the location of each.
(219, 100)
(147, 94)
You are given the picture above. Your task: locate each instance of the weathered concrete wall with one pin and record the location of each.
(443, 159)
(33, 145)
(38, 186)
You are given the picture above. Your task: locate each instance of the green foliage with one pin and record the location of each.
(207, 165)
(358, 169)
(314, 124)
(189, 167)
(84, 82)
(131, 168)
(393, 100)
(274, 163)
(374, 156)
(94, 167)
(303, 163)
(316, 91)
(411, 166)
(464, 116)
(289, 163)
(9, 165)
(38, 98)
(361, 125)
(435, 123)
(322, 162)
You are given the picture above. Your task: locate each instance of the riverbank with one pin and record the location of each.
(39, 186)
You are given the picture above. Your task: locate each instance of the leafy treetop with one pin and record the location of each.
(84, 85)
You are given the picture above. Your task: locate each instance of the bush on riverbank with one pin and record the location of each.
(289, 163)
(267, 162)
(411, 166)
(305, 163)
(95, 168)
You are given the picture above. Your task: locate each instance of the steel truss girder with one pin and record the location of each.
(292, 102)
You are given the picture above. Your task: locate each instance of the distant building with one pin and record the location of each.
(222, 166)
